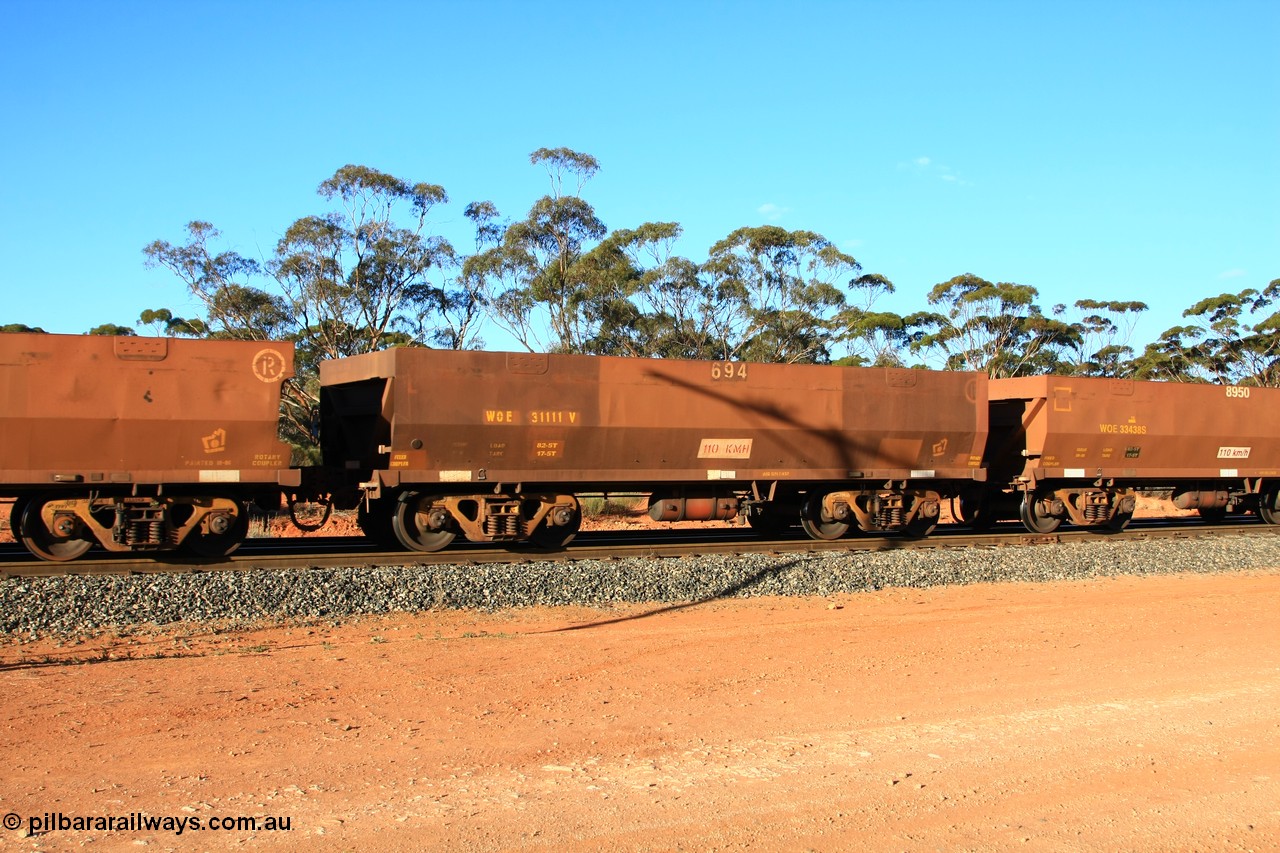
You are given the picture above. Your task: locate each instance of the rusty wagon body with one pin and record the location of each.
(495, 445)
(151, 444)
(138, 444)
(1077, 447)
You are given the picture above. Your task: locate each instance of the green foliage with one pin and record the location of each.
(111, 329)
(662, 307)
(1104, 332)
(165, 322)
(778, 290)
(354, 279)
(870, 337)
(602, 506)
(236, 309)
(366, 273)
(1233, 339)
(560, 162)
(993, 328)
(535, 279)
(11, 328)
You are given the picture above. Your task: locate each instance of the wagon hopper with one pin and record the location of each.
(496, 446)
(138, 444)
(1076, 448)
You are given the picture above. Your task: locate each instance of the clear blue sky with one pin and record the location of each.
(1114, 150)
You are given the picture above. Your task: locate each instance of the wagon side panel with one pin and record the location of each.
(96, 409)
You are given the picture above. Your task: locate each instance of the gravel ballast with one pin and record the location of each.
(72, 604)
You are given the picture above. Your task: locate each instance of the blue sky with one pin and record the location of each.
(1113, 150)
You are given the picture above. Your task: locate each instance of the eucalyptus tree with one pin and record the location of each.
(1105, 330)
(678, 309)
(642, 300)
(680, 313)
(778, 290)
(1241, 344)
(867, 336)
(1173, 357)
(1232, 338)
(993, 328)
(113, 329)
(607, 321)
(164, 322)
(222, 280)
(455, 318)
(354, 279)
(534, 283)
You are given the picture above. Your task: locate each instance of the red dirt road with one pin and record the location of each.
(1121, 714)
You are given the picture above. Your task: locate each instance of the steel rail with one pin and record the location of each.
(328, 552)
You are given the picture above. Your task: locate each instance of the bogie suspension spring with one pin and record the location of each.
(890, 515)
(502, 521)
(140, 526)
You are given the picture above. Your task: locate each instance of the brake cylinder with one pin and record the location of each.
(1200, 499)
(692, 509)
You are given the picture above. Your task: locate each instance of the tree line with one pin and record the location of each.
(368, 272)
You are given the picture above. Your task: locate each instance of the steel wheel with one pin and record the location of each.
(974, 510)
(221, 542)
(1120, 520)
(43, 542)
(1269, 506)
(1033, 518)
(818, 526)
(15, 516)
(419, 526)
(556, 536)
(1125, 505)
(920, 527)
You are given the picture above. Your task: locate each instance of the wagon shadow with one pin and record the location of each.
(726, 592)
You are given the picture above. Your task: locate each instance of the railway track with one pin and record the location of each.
(327, 552)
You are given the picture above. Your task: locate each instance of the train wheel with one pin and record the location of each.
(45, 543)
(813, 523)
(1120, 520)
(1033, 517)
(223, 536)
(15, 515)
(1125, 504)
(1269, 506)
(1213, 514)
(920, 527)
(556, 536)
(974, 510)
(419, 526)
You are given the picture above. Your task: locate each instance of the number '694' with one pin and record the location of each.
(723, 371)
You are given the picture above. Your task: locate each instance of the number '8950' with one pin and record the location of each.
(1235, 391)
